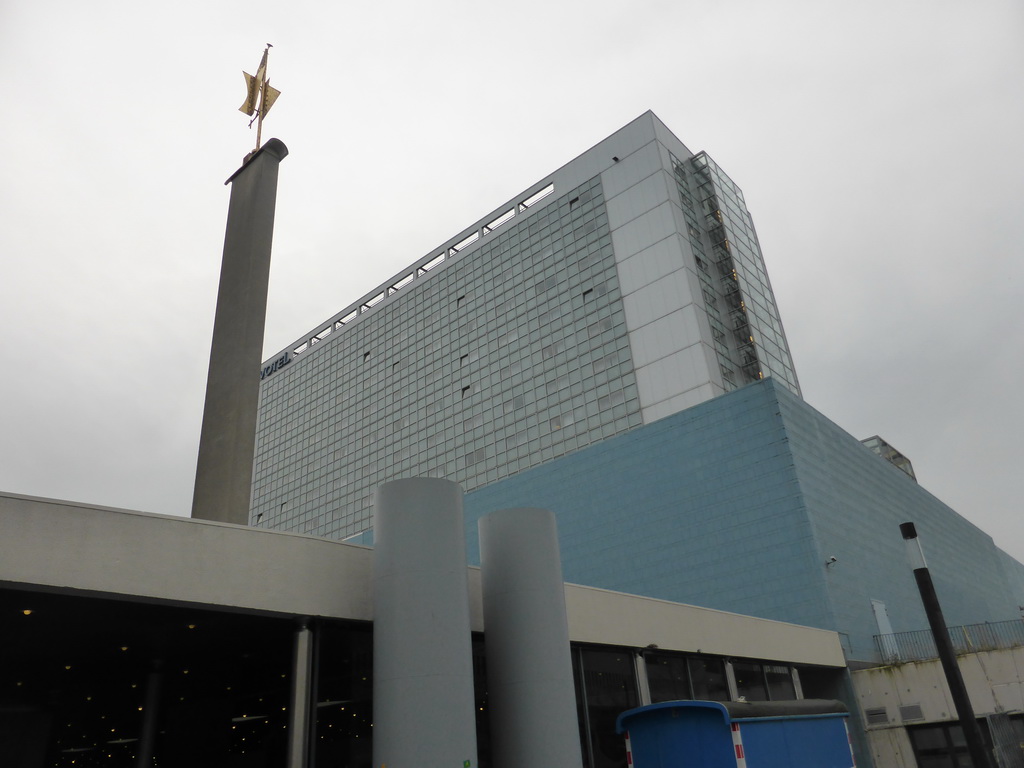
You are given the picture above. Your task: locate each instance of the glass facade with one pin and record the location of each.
(511, 353)
(746, 327)
(216, 686)
(672, 677)
(606, 686)
(560, 320)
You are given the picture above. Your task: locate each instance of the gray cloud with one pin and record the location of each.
(878, 147)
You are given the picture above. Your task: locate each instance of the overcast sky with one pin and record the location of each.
(878, 143)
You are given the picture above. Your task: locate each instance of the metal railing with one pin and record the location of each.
(920, 645)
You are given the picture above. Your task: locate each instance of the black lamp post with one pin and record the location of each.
(972, 733)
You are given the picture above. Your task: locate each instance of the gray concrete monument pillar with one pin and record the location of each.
(423, 703)
(228, 437)
(529, 667)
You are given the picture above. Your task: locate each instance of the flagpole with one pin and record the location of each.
(263, 98)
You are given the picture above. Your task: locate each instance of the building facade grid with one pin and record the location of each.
(625, 287)
(513, 354)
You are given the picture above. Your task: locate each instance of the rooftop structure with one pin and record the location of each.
(890, 454)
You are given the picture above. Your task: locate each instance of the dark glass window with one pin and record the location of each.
(943, 745)
(708, 680)
(344, 711)
(668, 677)
(609, 688)
(483, 724)
(750, 681)
(581, 710)
(675, 676)
(780, 682)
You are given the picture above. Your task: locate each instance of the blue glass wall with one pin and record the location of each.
(701, 507)
(737, 503)
(856, 502)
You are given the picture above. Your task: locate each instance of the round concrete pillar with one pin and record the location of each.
(529, 668)
(423, 703)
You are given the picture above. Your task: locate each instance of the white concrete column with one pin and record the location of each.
(529, 667)
(423, 703)
(642, 683)
(299, 709)
(150, 717)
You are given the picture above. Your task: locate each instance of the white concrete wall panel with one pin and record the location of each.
(1009, 696)
(643, 231)
(637, 622)
(664, 297)
(623, 144)
(632, 203)
(891, 748)
(669, 140)
(656, 276)
(668, 336)
(684, 366)
(64, 545)
(651, 264)
(631, 169)
(69, 547)
(994, 682)
(682, 401)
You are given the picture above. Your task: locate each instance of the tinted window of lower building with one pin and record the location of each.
(750, 681)
(780, 682)
(609, 689)
(708, 680)
(344, 710)
(668, 677)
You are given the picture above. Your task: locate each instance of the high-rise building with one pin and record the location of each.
(622, 288)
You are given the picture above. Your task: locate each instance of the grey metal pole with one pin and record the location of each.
(228, 437)
(957, 690)
(300, 705)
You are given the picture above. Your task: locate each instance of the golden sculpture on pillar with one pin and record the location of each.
(259, 97)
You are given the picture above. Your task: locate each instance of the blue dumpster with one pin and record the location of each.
(807, 733)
